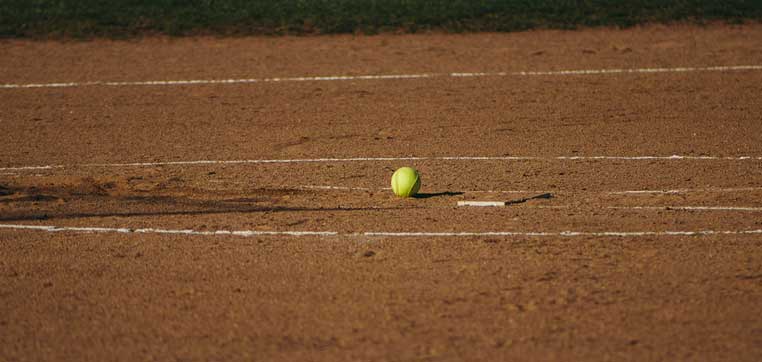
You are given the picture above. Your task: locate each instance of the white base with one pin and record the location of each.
(481, 203)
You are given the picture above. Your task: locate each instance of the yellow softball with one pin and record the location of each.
(405, 182)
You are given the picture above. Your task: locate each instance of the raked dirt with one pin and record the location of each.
(186, 220)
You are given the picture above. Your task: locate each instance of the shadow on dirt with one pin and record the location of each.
(5, 191)
(536, 197)
(436, 194)
(71, 207)
(223, 210)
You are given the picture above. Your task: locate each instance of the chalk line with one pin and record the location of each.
(186, 82)
(381, 189)
(385, 159)
(689, 208)
(661, 208)
(164, 231)
(338, 188)
(564, 191)
(626, 192)
(26, 168)
(683, 191)
(566, 233)
(253, 233)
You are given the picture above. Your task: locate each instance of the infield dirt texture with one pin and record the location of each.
(226, 199)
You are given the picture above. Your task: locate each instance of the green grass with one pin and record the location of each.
(126, 18)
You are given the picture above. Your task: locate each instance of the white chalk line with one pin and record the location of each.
(164, 231)
(382, 189)
(689, 208)
(220, 81)
(723, 68)
(478, 203)
(683, 191)
(387, 159)
(339, 188)
(254, 233)
(626, 192)
(504, 203)
(566, 233)
(27, 168)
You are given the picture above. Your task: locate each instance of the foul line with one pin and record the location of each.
(689, 208)
(626, 192)
(683, 191)
(383, 159)
(329, 188)
(253, 233)
(723, 68)
(381, 189)
(164, 231)
(568, 233)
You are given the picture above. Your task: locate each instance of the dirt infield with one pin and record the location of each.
(150, 210)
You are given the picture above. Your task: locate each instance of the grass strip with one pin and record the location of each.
(128, 18)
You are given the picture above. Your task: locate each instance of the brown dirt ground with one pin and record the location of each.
(87, 296)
